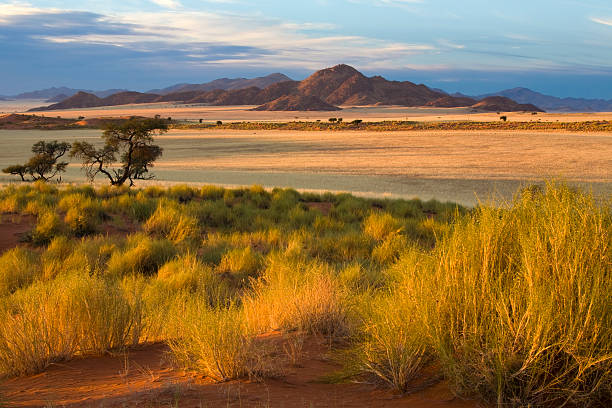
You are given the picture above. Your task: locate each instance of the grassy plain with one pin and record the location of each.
(460, 166)
(509, 306)
(348, 113)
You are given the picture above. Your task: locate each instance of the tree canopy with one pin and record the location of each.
(127, 154)
(44, 164)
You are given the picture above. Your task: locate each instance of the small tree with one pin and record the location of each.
(130, 143)
(332, 120)
(44, 165)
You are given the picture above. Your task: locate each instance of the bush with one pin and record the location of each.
(240, 263)
(294, 295)
(18, 268)
(216, 343)
(171, 222)
(522, 312)
(379, 226)
(37, 328)
(143, 256)
(52, 321)
(392, 344)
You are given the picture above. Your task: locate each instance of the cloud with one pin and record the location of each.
(196, 38)
(607, 22)
(171, 4)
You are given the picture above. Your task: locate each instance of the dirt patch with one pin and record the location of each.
(13, 228)
(145, 377)
(324, 208)
(119, 226)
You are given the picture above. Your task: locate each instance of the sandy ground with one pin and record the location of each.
(460, 166)
(12, 229)
(144, 377)
(367, 113)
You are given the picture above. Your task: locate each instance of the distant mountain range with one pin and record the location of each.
(553, 103)
(350, 88)
(226, 84)
(55, 93)
(324, 90)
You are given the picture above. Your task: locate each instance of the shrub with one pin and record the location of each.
(143, 256)
(37, 328)
(240, 263)
(391, 344)
(293, 294)
(18, 269)
(216, 343)
(379, 226)
(171, 222)
(522, 312)
(83, 213)
(211, 192)
(52, 321)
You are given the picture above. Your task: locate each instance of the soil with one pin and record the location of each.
(145, 377)
(323, 207)
(13, 227)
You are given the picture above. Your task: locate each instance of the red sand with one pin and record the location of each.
(145, 377)
(12, 229)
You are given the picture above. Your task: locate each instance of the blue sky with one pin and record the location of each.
(561, 47)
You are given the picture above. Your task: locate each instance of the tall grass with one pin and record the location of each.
(52, 321)
(511, 304)
(296, 295)
(217, 343)
(523, 312)
(515, 303)
(18, 268)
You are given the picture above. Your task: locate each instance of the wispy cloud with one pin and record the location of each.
(607, 22)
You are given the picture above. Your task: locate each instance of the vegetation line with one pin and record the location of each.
(386, 126)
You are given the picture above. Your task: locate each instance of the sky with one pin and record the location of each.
(558, 47)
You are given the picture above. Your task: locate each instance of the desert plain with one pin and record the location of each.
(460, 166)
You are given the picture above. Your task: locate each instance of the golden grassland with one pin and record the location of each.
(348, 113)
(510, 305)
(398, 125)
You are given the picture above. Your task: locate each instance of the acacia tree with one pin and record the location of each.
(44, 165)
(127, 154)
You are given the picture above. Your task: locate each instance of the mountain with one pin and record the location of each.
(88, 100)
(344, 85)
(79, 100)
(53, 94)
(503, 104)
(525, 95)
(452, 102)
(323, 90)
(58, 98)
(226, 84)
(296, 103)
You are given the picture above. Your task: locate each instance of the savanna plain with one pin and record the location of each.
(353, 268)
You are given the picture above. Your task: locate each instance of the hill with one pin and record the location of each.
(452, 102)
(297, 103)
(503, 104)
(526, 96)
